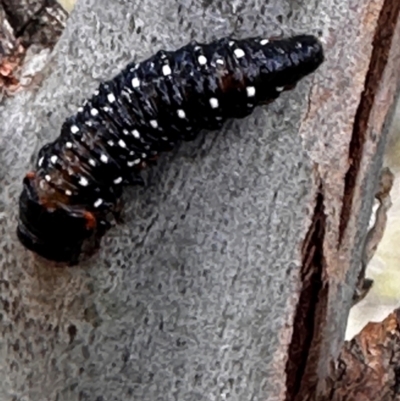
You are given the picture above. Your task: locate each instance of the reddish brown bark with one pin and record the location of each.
(24, 23)
(368, 368)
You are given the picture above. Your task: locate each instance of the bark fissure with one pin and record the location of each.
(309, 305)
(380, 55)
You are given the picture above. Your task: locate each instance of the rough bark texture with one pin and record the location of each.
(28, 29)
(368, 367)
(235, 270)
(11, 55)
(36, 21)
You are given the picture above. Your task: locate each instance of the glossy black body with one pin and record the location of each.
(145, 110)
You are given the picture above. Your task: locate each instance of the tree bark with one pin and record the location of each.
(28, 28)
(234, 272)
(36, 21)
(368, 367)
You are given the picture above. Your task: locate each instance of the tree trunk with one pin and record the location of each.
(234, 272)
(28, 30)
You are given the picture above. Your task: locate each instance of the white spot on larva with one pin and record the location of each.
(80, 109)
(214, 102)
(110, 142)
(98, 202)
(40, 162)
(251, 91)
(220, 61)
(131, 153)
(130, 164)
(154, 123)
(136, 133)
(106, 109)
(135, 82)
(118, 180)
(202, 60)
(89, 123)
(104, 158)
(125, 131)
(137, 161)
(94, 112)
(121, 143)
(47, 178)
(181, 113)
(231, 43)
(144, 155)
(92, 162)
(166, 70)
(68, 145)
(298, 45)
(279, 88)
(126, 94)
(54, 159)
(164, 138)
(239, 53)
(83, 182)
(74, 129)
(96, 92)
(111, 97)
(264, 42)
(68, 192)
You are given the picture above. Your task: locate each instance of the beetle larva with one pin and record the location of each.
(66, 204)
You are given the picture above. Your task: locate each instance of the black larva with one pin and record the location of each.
(66, 204)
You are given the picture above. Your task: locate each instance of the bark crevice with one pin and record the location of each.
(311, 305)
(382, 43)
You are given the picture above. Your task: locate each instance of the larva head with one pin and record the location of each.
(59, 234)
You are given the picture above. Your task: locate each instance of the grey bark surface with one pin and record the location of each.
(199, 295)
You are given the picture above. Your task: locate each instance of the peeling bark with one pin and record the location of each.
(382, 44)
(375, 234)
(368, 368)
(339, 263)
(38, 22)
(11, 55)
(26, 27)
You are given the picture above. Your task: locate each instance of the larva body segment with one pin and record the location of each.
(66, 204)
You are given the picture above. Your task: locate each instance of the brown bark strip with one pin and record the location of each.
(310, 307)
(11, 55)
(382, 44)
(36, 21)
(24, 23)
(45, 27)
(368, 368)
